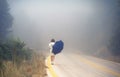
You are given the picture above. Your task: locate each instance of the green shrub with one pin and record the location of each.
(14, 50)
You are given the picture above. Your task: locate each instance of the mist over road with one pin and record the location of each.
(79, 65)
(81, 24)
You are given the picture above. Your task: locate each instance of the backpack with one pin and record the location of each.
(58, 47)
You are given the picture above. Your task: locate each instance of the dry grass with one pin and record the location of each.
(34, 67)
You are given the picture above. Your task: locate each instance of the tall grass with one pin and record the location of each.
(17, 60)
(28, 68)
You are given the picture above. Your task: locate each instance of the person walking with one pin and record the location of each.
(52, 55)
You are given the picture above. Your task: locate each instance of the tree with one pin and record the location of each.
(114, 45)
(5, 20)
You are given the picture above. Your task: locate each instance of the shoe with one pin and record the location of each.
(52, 63)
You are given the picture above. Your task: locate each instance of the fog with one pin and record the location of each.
(84, 25)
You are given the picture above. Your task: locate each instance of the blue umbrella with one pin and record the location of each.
(58, 47)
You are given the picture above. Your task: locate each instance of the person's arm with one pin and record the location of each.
(49, 45)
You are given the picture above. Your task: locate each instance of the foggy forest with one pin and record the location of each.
(89, 27)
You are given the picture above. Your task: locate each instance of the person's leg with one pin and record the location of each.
(52, 59)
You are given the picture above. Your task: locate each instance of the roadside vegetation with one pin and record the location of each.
(16, 60)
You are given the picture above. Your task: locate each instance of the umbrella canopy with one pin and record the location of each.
(58, 47)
